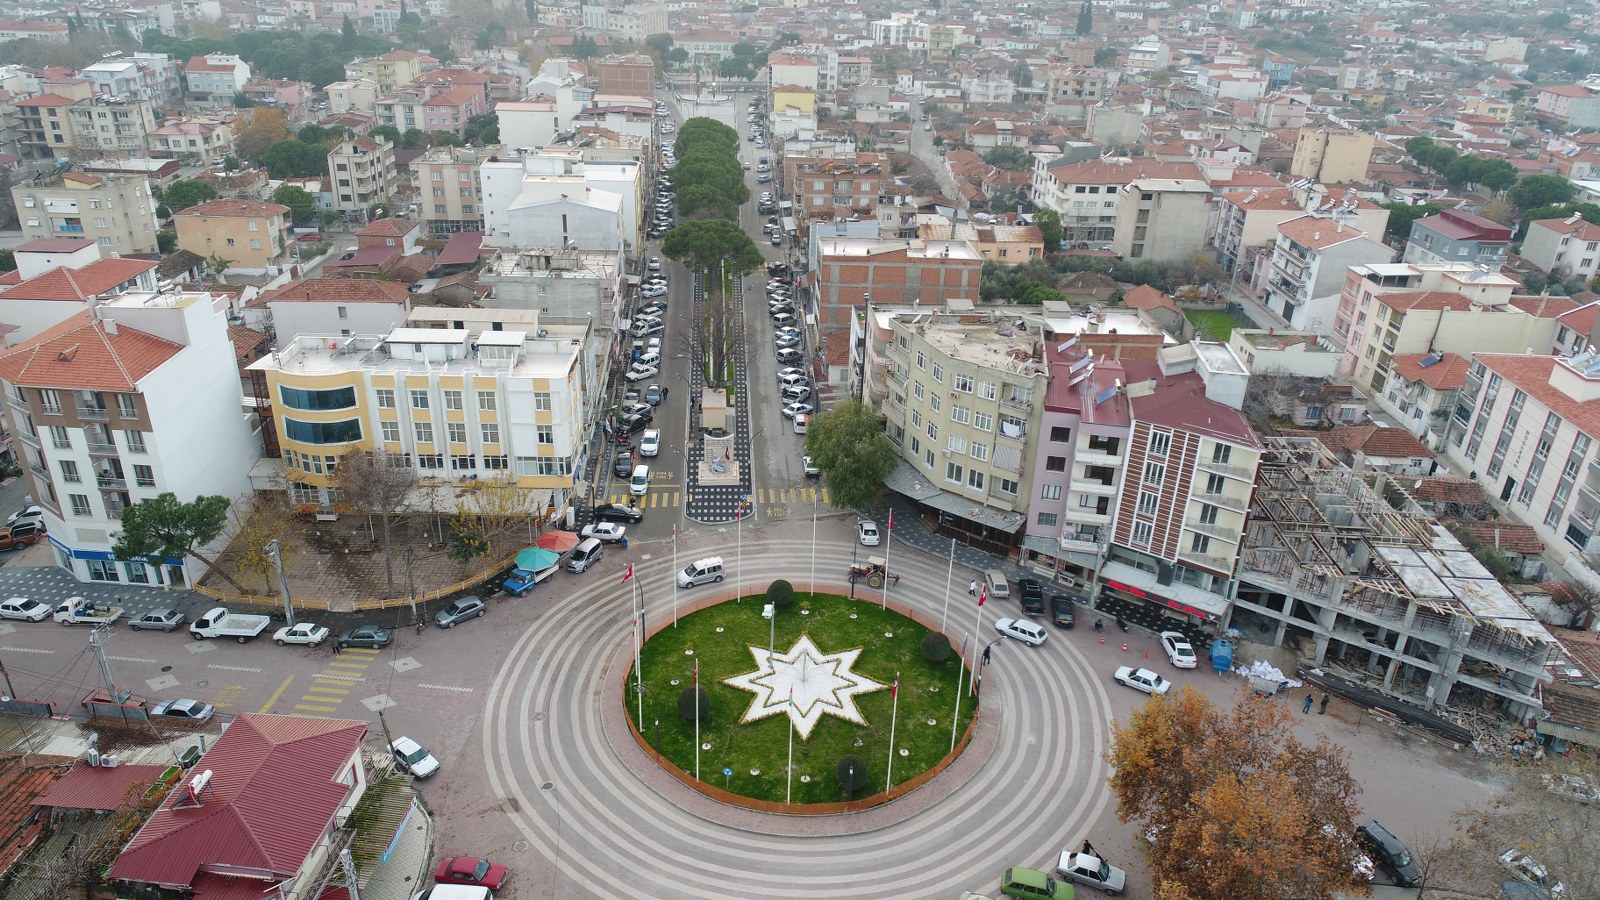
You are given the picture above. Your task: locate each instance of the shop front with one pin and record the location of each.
(1139, 597)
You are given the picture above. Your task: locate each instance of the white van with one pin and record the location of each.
(783, 320)
(701, 571)
(588, 552)
(793, 381)
(455, 892)
(800, 423)
(649, 358)
(639, 484)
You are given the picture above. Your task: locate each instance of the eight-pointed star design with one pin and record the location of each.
(818, 683)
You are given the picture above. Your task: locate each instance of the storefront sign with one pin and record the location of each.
(1185, 608)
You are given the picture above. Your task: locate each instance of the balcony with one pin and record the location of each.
(1212, 531)
(1022, 406)
(20, 404)
(1091, 486)
(99, 449)
(1238, 472)
(1087, 457)
(1086, 515)
(93, 412)
(108, 483)
(1216, 563)
(1072, 545)
(70, 229)
(1226, 501)
(39, 470)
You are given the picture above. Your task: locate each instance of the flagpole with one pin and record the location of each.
(789, 787)
(895, 692)
(638, 645)
(697, 719)
(961, 671)
(888, 544)
(738, 536)
(675, 577)
(950, 573)
(977, 622)
(813, 542)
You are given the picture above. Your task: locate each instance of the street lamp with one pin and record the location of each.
(852, 573)
(982, 662)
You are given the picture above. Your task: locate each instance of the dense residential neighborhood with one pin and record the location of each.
(1245, 355)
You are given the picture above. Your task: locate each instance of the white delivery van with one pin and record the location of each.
(701, 571)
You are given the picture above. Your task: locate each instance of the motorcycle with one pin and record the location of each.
(1121, 624)
(1099, 625)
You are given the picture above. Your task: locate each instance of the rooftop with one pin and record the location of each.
(449, 351)
(917, 249)
(335, 290)
(1440, 371)
(1179, 402)
(994, 342)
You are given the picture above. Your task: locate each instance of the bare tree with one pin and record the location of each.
(376, 483)
(1264, 397)
(265, 517)
(1545, 811)
(494, 516)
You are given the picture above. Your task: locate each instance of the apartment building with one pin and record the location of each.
(115, 211)
(199, 141)
(1247, 223)
(46, 129)
(343, 306)
(851, 272)
(1075, 83)
(792, 69)
(836, 188)
(1190, 469)
(1161, 219)
(432, 107)
(1351, 570)
(113, 126)
(389, 71)
(213, 79)
(451, 193)
(1331, 155)
(961, 395)
(1455, 236)
(1571, 105)
(1307, 268)
(57, 278)
(625, 22)
(250, 234)
(1563, 248)
(1147, 56)
(1085, 194)
(363, 172)
(558, 199)
(454, 403)
(135, 398)
(139, 76)
(633, 75)
(359, 94)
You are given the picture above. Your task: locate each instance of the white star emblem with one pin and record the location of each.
(805, 684)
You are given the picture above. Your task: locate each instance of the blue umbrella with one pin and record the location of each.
(536, 558)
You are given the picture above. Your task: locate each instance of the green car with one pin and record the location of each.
(1032, 883)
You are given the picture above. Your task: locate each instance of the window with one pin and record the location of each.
(438, 176)
(456, 432)
(547, 434)
(987, 391)
(980, 451)
(963, 383)
(983, 421)
(1060, 434)
(1199, 543)
(144, 476)
(958, 444)
(1007, 486)
(1142, 531)
(541, 401)
(917, 390)
(489, 433)
(430, 461)
(1048, 520)
(1154, 473)
(342, 432)
(300, 398)
(959, 413)
(463, 462)
(486, 401)
(80, 504)
(954, 472)
(916, 445)
(385, 398)
(1050, 492)
(1160, 441)
(69, 472)
(922, 361)
(50, 402)
(916, 418)
(495, 462)
(933, 432)
(135, 441)
(1055, 464)
(1221, 453)
(975, 479)
(1208, 514)
(1149, 503)
(101, 569)
(419, 399)
(423, 432)
(938, 373)
(1215, 484)
(935, 402)
(60, 438)
(927, 459)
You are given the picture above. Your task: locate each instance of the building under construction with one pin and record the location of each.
(1345, 566)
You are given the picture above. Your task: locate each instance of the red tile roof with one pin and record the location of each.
(21, 779)
(241, 209)
(1317, 233)
(79, 285)
(1532, 375)
(271, 797)
(45, 100)
(1099, 171)
(99, 787)
(1447, 374)
(1179, 402)
(54, 245)
(1146, 297)
(1448, 489)
(1545, 307)
(80, 354)
(1512, 537)
(1406, 301)
(1582, 229)
(1581, 319)
(1388, 443)
(389, 228)
(335, 290)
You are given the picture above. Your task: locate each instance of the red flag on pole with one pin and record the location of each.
(627, 576)
(983, 595)
(894, 689)
(891, 520)
(697, 673)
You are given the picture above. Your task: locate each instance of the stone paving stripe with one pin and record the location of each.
(316, 708)
(361, 651)
(139, 659)
(234, 668)
(349, 667)
(444, 687)
(26, 650)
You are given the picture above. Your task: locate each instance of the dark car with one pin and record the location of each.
(1031, 593)
(1391, 855)
(366, 636)
(1061, 612)
(460, 610)
(637, 422)
(616, 512)
(623, 467)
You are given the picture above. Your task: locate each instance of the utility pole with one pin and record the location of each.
(276, 552)
(11, 692)
(97, 639)
(411, 586)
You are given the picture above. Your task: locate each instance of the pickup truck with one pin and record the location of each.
(73, 610)
(221, 623)
(521, 581)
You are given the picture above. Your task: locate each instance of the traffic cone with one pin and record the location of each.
(1124, 646)
(1147, 654)
(1102, 639)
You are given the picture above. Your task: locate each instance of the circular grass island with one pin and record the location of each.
(828, 684)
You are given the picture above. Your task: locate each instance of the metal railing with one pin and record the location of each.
(93, 412)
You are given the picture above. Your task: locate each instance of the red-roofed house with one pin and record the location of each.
(1085, 193)
(1310, 257)
(264, 812)
(250, 234)
(1563, 247)
(118, 405)
(45, 299)
(215, 78)
(432, 107)
(1575, 330)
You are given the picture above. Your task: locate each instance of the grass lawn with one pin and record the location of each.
(927, 691)
(1212, 325)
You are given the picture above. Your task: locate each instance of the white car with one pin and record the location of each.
(303, 633)
(644, 373)
(605, 532)
(411, 757)
(785, 373)
(653, 290)
(1031, 633)
(1178, 650)
(867, 533)
(798, 409)
(1528, 870)
(1143, 680)
(24, 609)
(647, 329)
(654, 264)
(785, 340)
(650, 442)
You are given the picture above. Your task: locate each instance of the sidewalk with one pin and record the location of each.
(909, 531)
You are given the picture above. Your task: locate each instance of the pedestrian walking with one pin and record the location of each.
(1322, 708)
(337, 648)
(1307, 708)
(972, 589)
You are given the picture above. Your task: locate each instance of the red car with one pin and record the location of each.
(470, 870)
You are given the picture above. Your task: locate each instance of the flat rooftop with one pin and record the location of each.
(989, 340)
(332, 354)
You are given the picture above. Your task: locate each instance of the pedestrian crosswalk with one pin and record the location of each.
(763, 497)
(337, 679)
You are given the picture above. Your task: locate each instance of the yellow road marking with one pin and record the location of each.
(316, 708)
(277, 693)
(319, 689)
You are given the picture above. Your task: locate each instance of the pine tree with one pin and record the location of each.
(1085, 18)
(347, 35)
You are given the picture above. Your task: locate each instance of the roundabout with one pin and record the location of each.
(603, 818)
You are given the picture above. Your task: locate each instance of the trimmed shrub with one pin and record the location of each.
(780, 594)
(936, 647)
(686, 703)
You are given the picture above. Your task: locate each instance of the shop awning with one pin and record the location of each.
(910, 483)
(1184, 594)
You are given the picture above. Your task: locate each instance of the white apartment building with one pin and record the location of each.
(138, 397)
(1563, 247)
(215, 77)
(534, 200)
(451, 196)
(363, 173)
(1307, 269)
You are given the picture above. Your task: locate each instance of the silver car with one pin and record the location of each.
(460, 610)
